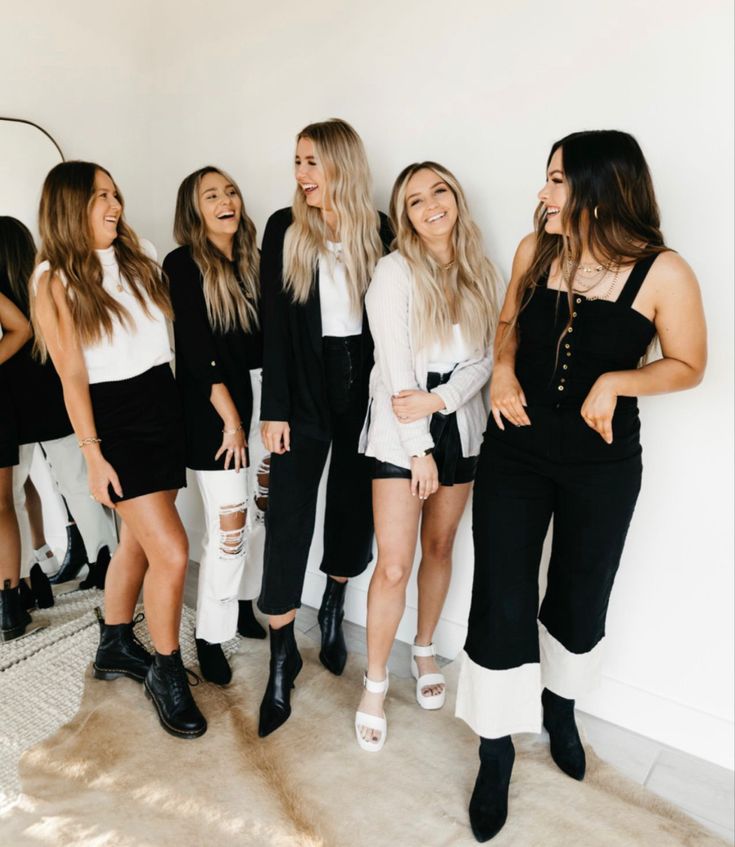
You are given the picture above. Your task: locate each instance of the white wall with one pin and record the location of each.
(155, 90)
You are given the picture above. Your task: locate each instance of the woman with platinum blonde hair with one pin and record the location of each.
(317, 260)
(432, 311)
(214, 292)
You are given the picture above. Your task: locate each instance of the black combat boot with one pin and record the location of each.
(566, 747)
(333, 654)
(167, 685)
(120, 653)
(489, 803)
(275, 709)
(13, 617)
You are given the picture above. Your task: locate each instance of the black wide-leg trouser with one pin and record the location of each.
(294, 489)
(560, 469)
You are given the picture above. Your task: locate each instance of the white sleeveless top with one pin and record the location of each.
(338, 316)
(132, 349)
(445, 356)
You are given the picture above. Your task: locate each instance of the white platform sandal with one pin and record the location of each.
(427, 701)
(363, 719)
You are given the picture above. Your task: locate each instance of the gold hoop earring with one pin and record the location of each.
(594, 212)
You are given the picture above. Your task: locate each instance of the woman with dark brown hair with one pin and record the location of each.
(590, 291)
(99, 307)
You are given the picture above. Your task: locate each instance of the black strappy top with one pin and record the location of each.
(605, 335)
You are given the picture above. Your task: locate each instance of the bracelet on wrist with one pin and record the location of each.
(90, 439)
(232, 431)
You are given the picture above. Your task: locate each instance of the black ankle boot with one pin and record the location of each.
(285, 665)
(13, 618)
(97, 571)
(75, 558)
(119, 652)
(247, 624)
(566, 747)
(213, 662)
(41, 588)
(333, 654)
(25, 594)
(167, 685)
(489, 803)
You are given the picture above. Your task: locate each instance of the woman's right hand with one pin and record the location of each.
(424, 476)
(100, 475)
(507, 399)
(276, 436)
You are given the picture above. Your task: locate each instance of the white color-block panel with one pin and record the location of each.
(154, 90)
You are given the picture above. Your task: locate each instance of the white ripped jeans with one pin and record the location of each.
(69, 473)
(231, 564)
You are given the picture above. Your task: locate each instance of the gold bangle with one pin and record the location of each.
(90, 439)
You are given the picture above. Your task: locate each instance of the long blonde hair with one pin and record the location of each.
(66, 243)
(472, 280)
(231, 295)
(348, 193)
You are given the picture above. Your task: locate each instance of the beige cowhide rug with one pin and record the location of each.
(112, 778)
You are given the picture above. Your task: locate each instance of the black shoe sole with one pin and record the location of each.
(178, 733)
(110, 673)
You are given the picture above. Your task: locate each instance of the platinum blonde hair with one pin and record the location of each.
(348, 192)
(230, 288)
(466, 293)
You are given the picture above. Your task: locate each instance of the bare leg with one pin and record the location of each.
(9, 533)
(396, 512)
(124, 578)
(278, 621)
(156, 526)
(441, 516)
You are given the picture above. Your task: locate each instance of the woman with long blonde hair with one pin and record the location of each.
(432, 311)
(316, 263)
(99, 306)
(214, 291)
(590, 290)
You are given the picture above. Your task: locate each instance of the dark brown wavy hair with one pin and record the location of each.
(66, 243)
(17, 257)
(611, 207)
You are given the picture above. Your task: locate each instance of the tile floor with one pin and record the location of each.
(701, 789)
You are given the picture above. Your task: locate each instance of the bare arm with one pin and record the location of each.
(673, 293)
(16, 329)
(507, 399)
(57, 328)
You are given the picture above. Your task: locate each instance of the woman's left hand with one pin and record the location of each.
(233, 446)
(409, 406)
(599, 406)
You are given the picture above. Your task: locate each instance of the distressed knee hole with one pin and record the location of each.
(232, 531)
(263, 481)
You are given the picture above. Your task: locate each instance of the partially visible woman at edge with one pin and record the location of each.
(590, 291)
(432, 306)
(214, 284)
(99, 307)
(14, 333)
(316, 263)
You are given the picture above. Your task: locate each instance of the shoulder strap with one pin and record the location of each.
(635, 280)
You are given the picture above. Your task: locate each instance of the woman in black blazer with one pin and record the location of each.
(317, 260)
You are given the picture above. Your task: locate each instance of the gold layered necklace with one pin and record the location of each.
(598, 272)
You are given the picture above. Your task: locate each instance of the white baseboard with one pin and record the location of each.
(685, 728)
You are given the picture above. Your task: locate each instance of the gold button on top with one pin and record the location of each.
(579, 299)
(212, 364)
(565, 367)
(560, 387)
(570, 329)
(574, 314)
(567, 346)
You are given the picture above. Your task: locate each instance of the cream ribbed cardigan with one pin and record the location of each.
(399, 367)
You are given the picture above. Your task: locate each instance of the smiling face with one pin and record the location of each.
(219, 205)
(431, 206)
(104, 212)
(310, 175)
(554, 194)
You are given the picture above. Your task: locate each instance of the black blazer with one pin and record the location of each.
(294, 389)
(205, 357)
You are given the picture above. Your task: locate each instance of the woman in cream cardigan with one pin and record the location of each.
(432, 309)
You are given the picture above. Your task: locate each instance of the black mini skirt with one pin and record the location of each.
(453, 467)
(140, 424)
